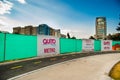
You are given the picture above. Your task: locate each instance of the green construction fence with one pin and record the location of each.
(79, 45)
(97, 45)
(13, 46)
(70, 45)
(115, 42)
(20, 46)
(2, 45)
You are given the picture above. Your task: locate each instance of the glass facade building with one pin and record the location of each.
(101, 28)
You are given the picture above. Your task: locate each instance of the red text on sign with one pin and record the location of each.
(49, 41)
(107, 43)
(49, 50)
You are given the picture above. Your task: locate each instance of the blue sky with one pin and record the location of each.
(74, 16)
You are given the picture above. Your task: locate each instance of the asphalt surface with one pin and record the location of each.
(10, 70)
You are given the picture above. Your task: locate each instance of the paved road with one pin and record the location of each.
(87, 68)
(10, 70)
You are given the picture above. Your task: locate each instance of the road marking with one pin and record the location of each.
(53, 59)
(64, 57)
(37, 62)
(16, 67)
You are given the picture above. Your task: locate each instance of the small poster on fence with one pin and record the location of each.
(87, 45)
(106, 45)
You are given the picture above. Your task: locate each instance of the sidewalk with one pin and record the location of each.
(88, 68)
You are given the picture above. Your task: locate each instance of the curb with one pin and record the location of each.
(57, 55)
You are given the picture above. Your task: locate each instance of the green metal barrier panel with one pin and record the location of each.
(67, 45)
(20, 46)
(115, 42)
(115, 45)
(79, 45)
(2, 40)
(97, 45)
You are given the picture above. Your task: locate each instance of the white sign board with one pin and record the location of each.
(87, 45)
(47, 45)
(106, 45)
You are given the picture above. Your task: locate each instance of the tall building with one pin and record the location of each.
(16, 30)
(22, 30)
(42, 29)
(57, 33)
(27, 30)
(101, 28)
(34, 31)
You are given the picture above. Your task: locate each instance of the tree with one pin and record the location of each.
(109, 37)
(118, 27)
(68, 35)
(91, 37)
(119, 23)
(114, 37)
(73, 37)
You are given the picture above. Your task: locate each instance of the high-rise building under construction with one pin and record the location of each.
(101, 28)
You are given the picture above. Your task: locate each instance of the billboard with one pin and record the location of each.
(47, 45)
(106, 45)
(88, 45)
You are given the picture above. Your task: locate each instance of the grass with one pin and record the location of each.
(115, 72)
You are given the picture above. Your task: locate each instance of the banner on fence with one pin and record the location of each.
(88, 45)
(47, 45)
(106, 45)
(116, 45)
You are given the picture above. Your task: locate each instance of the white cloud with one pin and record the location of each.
(5, 7)
(22, 1)
(7, 24)
(83, 31)
(79, 34)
